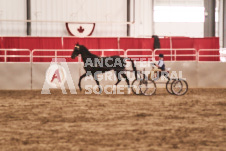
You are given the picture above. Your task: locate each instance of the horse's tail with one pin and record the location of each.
(134, 68)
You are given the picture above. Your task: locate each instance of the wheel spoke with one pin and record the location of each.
(149, 87)
(179, 87)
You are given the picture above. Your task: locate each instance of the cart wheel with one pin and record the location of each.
(179, 87)
(168, 86)
(136, 86)
(148, 87)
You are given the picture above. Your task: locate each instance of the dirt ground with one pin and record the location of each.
(31, 121)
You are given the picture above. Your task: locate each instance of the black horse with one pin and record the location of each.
(94, 65)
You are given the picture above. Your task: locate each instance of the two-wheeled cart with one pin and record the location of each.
(147, 86)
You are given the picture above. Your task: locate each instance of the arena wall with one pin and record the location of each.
(197, 74)
(15, 76)
(188, 69)
(211, 74)
(39, 72)
(76, 70)
(25, 76)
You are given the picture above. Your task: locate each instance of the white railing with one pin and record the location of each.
(56, 52)
(6, 55)
(103, 52)
(173, 53)
(148, 55)
(54, 55)
(223, 54)
(208, 50)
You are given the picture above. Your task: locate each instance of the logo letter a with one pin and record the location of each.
(56, 75)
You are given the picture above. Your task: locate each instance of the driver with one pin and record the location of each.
(160, 66)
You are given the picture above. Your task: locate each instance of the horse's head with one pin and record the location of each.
(81, 49)
(77, 51)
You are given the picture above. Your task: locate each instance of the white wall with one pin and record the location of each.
(95, 11)
(80, 11)
(143, 26)
(76, 10)
(179, 29)
(181, 23)
(13, 10)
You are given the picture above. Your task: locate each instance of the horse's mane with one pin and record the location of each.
(87, 52)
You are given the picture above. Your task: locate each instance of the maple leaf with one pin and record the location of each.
(80, 29)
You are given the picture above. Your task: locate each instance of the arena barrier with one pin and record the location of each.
(39, 74)
(41, 61)
(211, 74)
(30, 74)
(179, 54)
(197, 74)
(208, 54)
(15, 75)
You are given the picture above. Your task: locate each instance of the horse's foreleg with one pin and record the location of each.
(80, 79)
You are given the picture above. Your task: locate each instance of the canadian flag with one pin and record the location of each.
(80, 30)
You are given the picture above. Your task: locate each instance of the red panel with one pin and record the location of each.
(42, 59)
(108, 43)
(32, 43)
(64, 53)
(18, 53)
(165, 52)
(139, 52)
(91, 43)
(2, 59)
(209, 58)
(204, 56)
(164, 42)
(2, 52)
(50, 43)
(182, 42)
(11, 42)
(185, 58)
(136, 43)
(141, 58)
(113, 53)
(18, 59)
(206, 43)
(44, 53)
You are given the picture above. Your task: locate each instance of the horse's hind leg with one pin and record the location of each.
(118, 77)
(80, 79)
(127, 80)
(97, 82)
